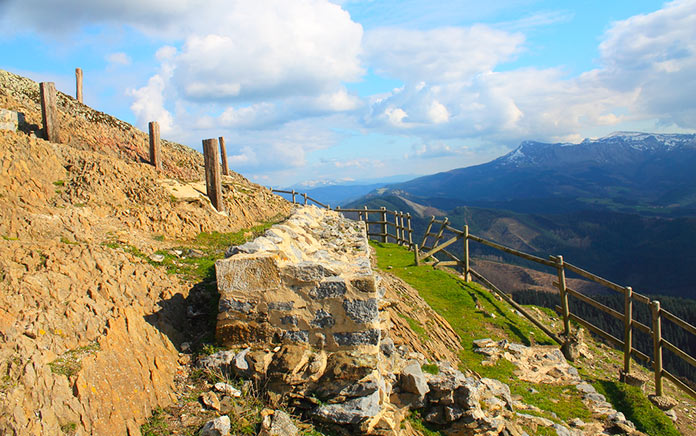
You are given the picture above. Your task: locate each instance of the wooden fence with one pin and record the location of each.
(437, 228)
(395, 226)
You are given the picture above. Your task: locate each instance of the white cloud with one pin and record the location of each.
(148, 104)
(439, 55)
(431, 151)
(118, 58)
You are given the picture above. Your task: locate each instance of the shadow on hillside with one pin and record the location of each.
(189, 319)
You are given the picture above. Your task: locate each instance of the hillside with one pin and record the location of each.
(90, 324)
(622, 205)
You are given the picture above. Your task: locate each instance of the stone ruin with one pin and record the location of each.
(300, 313)
(306, 281)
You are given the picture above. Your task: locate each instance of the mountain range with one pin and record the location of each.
(623, 206)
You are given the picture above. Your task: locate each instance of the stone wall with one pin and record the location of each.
(308, 280)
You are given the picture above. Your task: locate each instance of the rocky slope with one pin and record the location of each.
(89, 326)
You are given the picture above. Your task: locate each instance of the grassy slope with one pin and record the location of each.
(456, 301)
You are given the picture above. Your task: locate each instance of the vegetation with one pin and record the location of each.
(155, 425)
(474, 313)
(70, 363)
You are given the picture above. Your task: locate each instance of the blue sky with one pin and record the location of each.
(315, 90)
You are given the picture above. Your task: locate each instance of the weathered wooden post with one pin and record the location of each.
(657, 346)
(78, 84)
(564, 295)
(293, 196)
(49, 111)
(213, 177)
(367, 223)
(427, 231)
(397, 229)
(305, 198)
(155, 150)
(410, 231)
(442, 230)
(416, 254)
(223, 155)
(384, 223)
(628, 328)
(467, 270)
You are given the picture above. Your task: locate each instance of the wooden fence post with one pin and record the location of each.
(657, 346)
(564, 295)
(442, 230)
(367, 224)
(155, 150)
(467, 269)
(628, 328)
(293, 196)
(410, 231)
(416, 254)
(223, 155)
(305, 198)
(212, 173)
(78, 84)
(384, 223)
(427, 231)
(49, 111)
(397, 227)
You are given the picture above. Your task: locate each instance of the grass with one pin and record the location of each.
(69, 428)
(457, 302)
(70, 363)
(475, 313)
(210, 248)
(416, 327)
(417, 423)
(430, 368)
(156, 425)
(633, 403)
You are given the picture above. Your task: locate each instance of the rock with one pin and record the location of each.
(210, 400)
(585, 388)
(412, 380)
(365, 337)
(576, 422)
(159, 258)
(671, 414)
(663, 402)
(227, 389)
(220, 360)
(329, 289)
(284, 306)
(235, 305)
(565, 431)
(278, 423)
(352, 411)
(296, 336)
(219, 426)
(239, 363)
(323, 319)
(361, 311)
(196, 254)
(633, 379)
(11, 120)
(387, 347)
(485, 343)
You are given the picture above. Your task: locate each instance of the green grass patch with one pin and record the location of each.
(59, 183)
(156, 425)
(69, 428)
(633, 403)
(65, 240)
(70, 363)
(475, 313)
(417, 423)
(416, 327)
(430, 368)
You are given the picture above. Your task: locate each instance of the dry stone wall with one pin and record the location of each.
(308, 280)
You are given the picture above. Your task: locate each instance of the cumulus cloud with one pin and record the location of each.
(645, 73)
(439, 55)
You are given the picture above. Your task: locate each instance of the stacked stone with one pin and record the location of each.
(308, 280)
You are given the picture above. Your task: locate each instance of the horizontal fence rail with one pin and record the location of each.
(395, 226)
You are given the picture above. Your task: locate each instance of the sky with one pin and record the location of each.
(313, 91)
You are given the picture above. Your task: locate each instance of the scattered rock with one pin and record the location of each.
(227, 389)
(159, 258)
(219, 426)
(210, 400)
(277, 423)
(663, 402)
